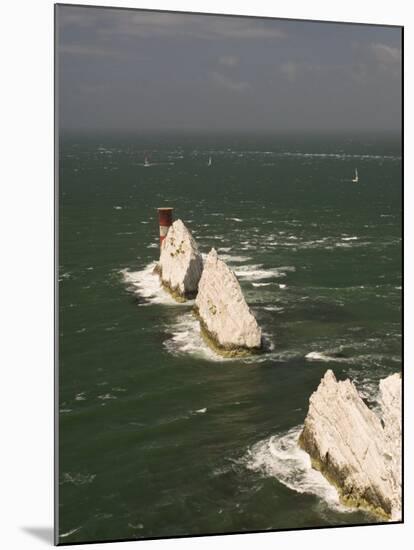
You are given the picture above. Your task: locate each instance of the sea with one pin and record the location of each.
(160, 437)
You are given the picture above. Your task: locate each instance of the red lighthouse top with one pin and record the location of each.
(165, 221)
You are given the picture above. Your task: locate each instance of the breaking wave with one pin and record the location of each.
(324, 357)
(186, 339)
(234, 259)
(258, 273)
(146, 284)
(281, 457)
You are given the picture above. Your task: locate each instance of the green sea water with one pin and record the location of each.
(158, 436)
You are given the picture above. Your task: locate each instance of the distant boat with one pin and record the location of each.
(209, 161)
(355, 178)
(146, 161)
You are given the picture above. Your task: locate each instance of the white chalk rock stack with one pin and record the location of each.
(390, 390)
(349, 445)
(224, 314)
(180, 264)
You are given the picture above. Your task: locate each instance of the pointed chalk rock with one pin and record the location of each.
(180, 264)
(223, 312)
(390, 390)
(349, 445)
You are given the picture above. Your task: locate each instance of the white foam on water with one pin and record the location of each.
(80, 396)
(234, 259)
(77, 478)
(71, 532)
(349, 238)
(137, 526)
(146, 283)
(369, 390)
(274, 308)
(235, 219)
(118, 207)
(107, 396)
(257, 285)
(281, 457)
(186, 339)
(257, 272)
(324, 357)
(341, 156)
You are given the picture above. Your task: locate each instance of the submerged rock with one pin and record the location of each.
(356, 450)
(225, 317)
(180, 264)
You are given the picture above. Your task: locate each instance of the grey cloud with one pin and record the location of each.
(147, 24)
(386, 54)
(293, 70)
(228, 60)
(87, 50)
(229, 83)
(150, 70)
(290, 70)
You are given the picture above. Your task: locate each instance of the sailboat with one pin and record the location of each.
(146, 161)
(209, 161)
(355, 178)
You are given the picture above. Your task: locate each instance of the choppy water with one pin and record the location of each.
(160, 437)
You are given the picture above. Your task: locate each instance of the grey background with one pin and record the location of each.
(123, 70)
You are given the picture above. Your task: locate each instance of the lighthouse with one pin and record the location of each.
(165, 220)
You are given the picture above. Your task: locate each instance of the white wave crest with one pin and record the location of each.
(77, 478)
(322, 356)
(234, 259)
(281, 457)
(146, 283)
(71, 532)
(273, 308)
(257, 272)
(186, 339)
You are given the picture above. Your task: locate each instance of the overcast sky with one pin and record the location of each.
(139, 71)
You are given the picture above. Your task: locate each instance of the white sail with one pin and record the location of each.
(209, 161)
(355, 178)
